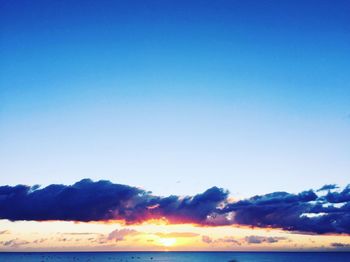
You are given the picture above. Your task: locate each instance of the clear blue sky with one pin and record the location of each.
(176, 96)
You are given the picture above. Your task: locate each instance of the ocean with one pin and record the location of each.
(177, 256)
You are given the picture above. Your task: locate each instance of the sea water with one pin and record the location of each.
(177, 256)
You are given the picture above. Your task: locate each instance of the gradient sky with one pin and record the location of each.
(176, 96)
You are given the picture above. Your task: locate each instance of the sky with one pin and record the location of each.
(174, 97)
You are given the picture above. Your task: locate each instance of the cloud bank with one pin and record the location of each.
(103, 200)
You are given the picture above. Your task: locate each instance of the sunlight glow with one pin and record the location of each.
(167, 242)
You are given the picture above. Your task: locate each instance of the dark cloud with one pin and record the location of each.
(97, 201)
(304, 212)
(339, 197)
(102, 200)
(194, 209)
(84, 201)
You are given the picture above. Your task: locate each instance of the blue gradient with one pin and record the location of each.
(176, 96)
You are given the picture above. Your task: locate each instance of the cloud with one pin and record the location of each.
(120, 234)
(340, 245)
(328, 187)
(63, 239)
(14, 243)
(38, 241)
(83, 201)
(97, 201)
(341, 197)
(207, 239)
(229, 240)
(102, 200)
(248, 239)
(4, 232)
(304, 212)
(261, 239)
(80, 234)
(225, 240)
(194, 209)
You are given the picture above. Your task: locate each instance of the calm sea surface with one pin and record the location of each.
(177, 256)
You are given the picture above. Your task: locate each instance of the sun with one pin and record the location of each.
(167, 242)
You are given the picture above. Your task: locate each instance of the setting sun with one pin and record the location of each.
(167, 242)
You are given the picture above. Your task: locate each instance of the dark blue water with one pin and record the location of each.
(178, 256)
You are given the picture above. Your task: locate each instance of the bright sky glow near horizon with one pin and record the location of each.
(176, 97)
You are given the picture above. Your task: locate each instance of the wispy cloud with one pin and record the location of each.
(120, 234)
(261, 239)
(14, 243)
(248, 240)
(328, 187)
(80, 233)
(224, 240)
(207, 239)
(341, 246)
